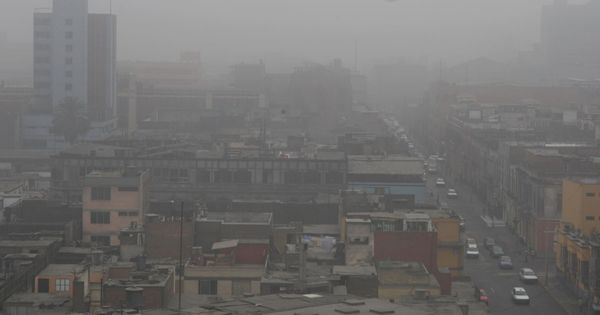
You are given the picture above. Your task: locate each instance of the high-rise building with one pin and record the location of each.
(74, 57)
(101, 63)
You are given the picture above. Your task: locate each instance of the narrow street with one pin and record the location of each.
(484, 271)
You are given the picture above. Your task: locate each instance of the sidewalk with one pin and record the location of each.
(556, 288)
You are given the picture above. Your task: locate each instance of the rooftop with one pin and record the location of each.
(26, 243)
(238, 217)
(356, 306)
(61, 270)
(385, 165)
(586, 181)
(234, 272)
(361, 270)
(37, 300)
(398, 273)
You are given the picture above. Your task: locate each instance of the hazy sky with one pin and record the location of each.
(280, 31)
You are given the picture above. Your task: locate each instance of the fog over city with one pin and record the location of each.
(286, 32)
(287, 157)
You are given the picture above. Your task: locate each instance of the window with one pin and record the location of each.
(122, 213)
(69, 35)
(100, 193)
(69, 61)
(69, 74)
(68, 87)
(101, 240)
(42, 34)
(128, 189)
(69, 48)
(98, 217)
(208, 287)
(590, 194)
(590, 218)
(63, 285)
(69, 21)
(133, 213)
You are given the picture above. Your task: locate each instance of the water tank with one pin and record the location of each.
(135, 297)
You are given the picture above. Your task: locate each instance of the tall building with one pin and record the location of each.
(74, 56)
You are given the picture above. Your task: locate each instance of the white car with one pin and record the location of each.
(519, 295)
(440, 182)
(472, 251)
(452, 194)
(472, 241)
(527, 275)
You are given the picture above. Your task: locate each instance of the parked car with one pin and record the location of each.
(471, 240)
(489, 242)
(505, 262)
(519, 296)
(481, 296)
(440, 182)
(472, 251)
(527, 275)
(452, 194)
(497, 251)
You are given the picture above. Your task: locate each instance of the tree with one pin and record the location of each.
(70, 120)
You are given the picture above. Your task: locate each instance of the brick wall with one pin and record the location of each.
(162, 239)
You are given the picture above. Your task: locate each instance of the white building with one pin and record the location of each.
(74, 57)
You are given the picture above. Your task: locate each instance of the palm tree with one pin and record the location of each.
(70, 120)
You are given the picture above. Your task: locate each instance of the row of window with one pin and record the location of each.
(591, 218)
(591, 194)
(100, 217)
(48, 21)
(128, 213)
(100, 193)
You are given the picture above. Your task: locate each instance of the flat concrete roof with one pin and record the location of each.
(385, 166)
(61, 270)
(238, 217)
(356, 306)
(361, 270)
(225, 272)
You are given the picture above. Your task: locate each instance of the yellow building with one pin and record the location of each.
(577, 239)
(450, 248)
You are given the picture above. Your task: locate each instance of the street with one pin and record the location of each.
(484, 271)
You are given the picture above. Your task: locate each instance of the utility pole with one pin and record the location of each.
(301, 256)
(180, 257)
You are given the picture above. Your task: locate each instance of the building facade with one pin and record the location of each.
(112, 201)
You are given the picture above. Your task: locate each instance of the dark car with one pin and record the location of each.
(481, 296)
(505, 262)
(497, 251)
(488, 242)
